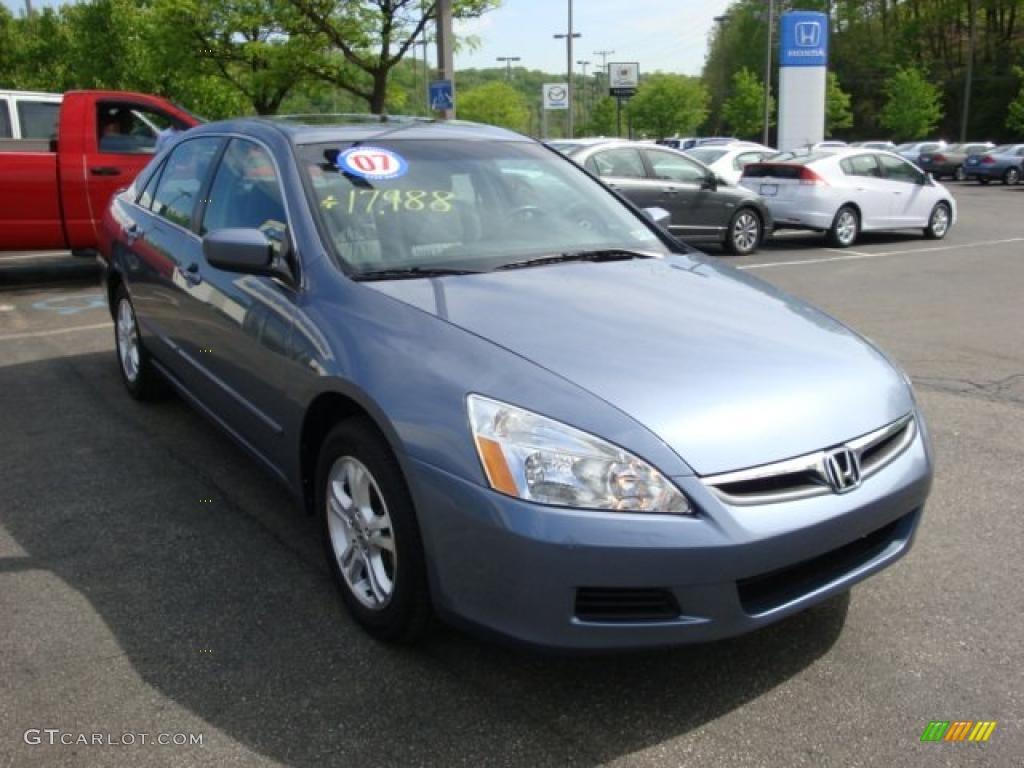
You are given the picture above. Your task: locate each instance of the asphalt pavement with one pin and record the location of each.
(154, 581)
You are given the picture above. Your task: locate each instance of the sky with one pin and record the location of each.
(670, 35)
(667, 35)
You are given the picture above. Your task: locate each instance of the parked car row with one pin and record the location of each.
(738, 194)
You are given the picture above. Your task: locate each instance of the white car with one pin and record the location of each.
(849, 191)
(728, 160)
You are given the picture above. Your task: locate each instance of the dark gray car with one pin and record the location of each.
(704, 207)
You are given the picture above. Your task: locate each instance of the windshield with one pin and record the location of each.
(905, 147)
(1002, 149)
(706, 156)
(467, 205)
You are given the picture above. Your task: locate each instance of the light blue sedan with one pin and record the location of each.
(1004, 163)
(509, 397)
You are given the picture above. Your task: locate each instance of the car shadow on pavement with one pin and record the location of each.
(214, 588)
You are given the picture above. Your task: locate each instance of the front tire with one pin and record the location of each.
(745, 232)
(370, 533)
(1012, 176)
(938, 222)
(140, 378)
(845, 227)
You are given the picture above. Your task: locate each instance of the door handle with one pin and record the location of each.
(105, 170)
(191, 274)
(132, 233)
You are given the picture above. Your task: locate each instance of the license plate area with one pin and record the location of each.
(769, 190)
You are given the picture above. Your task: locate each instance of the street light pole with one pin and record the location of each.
(568, 67)
(768, 72)
(508, 64)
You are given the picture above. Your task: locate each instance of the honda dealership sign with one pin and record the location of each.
(803, 60)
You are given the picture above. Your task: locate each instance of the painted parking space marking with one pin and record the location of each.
(71, 305)
(55, 331)
(856, 255)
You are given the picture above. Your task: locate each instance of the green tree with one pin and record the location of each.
(496, 103)
(665, 104)
(371, 38)
(743, 111)
(913, 105)
(602, 120)
(1015, 113)
(837, 106)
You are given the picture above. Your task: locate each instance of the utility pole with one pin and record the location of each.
(508, 64)
(568, 68)
(28, 8)
(768, 73)
(445, 50)
(969, 75)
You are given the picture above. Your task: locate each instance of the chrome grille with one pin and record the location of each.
(806, 476)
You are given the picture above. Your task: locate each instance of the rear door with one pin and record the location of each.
(165, 291)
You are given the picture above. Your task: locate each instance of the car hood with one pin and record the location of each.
(728, 371)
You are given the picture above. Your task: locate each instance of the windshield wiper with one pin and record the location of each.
(604, 254)
(406, 273)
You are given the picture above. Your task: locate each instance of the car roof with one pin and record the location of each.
(321, 129)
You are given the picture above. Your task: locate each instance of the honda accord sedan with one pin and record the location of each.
(546, 421)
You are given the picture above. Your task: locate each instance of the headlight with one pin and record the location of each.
(538, 459)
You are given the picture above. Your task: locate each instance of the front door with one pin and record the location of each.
(698, 209)
(125, 140)
(910, 204)
(623, 170)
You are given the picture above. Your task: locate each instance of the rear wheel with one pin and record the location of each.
(845, 227)
(1012, 176)
(938, 222)
(371, 537)
(139, 376)
(960, 173)
(744, 233)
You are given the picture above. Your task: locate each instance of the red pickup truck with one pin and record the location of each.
(54, 188)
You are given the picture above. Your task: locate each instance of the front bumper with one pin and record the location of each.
(514, 568)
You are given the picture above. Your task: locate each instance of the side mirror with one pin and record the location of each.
(710, 182)
(239, 250)
(659, 216)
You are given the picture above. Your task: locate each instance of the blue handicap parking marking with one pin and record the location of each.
(71, 305)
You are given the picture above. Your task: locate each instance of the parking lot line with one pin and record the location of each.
(855, 255)
(54, 332)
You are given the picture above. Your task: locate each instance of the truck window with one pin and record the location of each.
(133, 129)
(177, 191)
(5, 121)
(38, 119)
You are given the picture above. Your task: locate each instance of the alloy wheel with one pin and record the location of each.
(1012, 176)
(940, 221)
(746, 231)
(846, 227)
(127, 340)
(361, 535)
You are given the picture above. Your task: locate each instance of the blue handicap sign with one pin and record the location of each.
(71, 305)
(442, 95)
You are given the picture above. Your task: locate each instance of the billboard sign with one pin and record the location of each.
(623, 78)
(803, 40)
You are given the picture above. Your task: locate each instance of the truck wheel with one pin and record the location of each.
(370, 533)
(140, 377)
